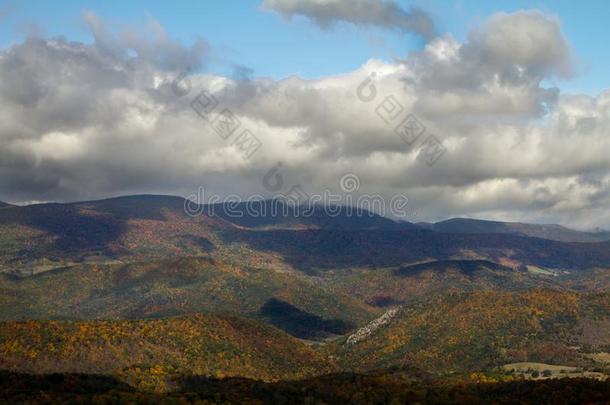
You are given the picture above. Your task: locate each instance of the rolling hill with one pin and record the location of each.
(179, 286)
(148, 353)
(390, 286)
(311, 250)
(482, 329)
(308, 306)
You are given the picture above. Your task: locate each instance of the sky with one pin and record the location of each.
(513, 93)
(241, 33)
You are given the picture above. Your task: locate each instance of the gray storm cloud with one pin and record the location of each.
(83, 121)
(379, 13)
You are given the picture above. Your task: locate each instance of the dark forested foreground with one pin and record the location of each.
(388, 388)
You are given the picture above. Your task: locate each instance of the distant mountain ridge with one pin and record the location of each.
(276, 214)
(42, 237)
(542, 231)
(258, 215)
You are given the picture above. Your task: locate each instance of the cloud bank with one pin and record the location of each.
(83, 121)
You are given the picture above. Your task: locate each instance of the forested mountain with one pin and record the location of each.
(42, 237)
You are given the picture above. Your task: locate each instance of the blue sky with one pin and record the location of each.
(240, 33)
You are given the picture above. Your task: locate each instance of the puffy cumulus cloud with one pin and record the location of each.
(381, 13)
(527, 39)
(497, 72)
(85, 121)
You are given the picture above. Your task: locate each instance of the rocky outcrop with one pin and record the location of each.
(368, 330)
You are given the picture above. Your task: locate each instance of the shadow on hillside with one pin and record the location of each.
(308, 250)
(466, 267)
(20, 385)
(91, 227)
(300, 323)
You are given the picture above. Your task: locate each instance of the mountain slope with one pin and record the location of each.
(551, 232)
(134, 228)
(150, 351)
(45, 236)
(389, 286)
(472, 331)
(309, 250)
(173, 287)
(276, 214)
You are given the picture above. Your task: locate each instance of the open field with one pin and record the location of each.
(538, 371)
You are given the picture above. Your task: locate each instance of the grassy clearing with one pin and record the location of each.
(540, 371)
(540, 271)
